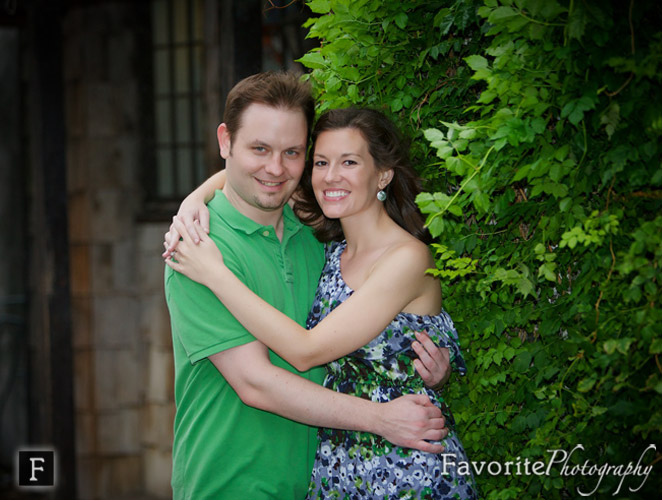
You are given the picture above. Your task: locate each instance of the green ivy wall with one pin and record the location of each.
(537, 125)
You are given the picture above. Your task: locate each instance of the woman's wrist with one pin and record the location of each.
(219, 276)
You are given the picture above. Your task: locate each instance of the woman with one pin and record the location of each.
(373, 296)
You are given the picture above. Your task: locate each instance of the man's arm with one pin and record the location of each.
(408, 421)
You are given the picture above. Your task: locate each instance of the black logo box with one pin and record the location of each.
(36, 468)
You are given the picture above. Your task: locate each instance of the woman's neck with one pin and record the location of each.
(368, 230)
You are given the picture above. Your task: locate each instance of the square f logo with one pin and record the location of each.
(36, 468)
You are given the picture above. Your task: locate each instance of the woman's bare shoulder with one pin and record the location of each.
(409, 255)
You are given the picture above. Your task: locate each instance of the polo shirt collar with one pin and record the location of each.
(235, 219)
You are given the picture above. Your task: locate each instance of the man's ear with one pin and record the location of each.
(224, 142)
(385, 178)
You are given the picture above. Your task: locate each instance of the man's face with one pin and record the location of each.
(264, 160)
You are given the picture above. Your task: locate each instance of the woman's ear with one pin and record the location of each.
(224, 142)
(385, 178)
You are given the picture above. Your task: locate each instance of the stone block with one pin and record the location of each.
(128, 166)
(128, 107)
(81, 313)
(72, 22)
(155, 321)
(121, 54)
(158, 470)
(79, 269)
(86, 436)
(79, 218)
(111, 215)
(77, 172)
(114, 267)
(115, 322)
(151, 271)
(84, 380)
(119, 432)
(75, 95)
(72, 49)
(150, 237)
(158, 425)
(101, 110)
(101, 257)
(94, 49)
(160, 376)
(87, 476)
(120, 476)
(104, 163)
(125, 274)
(118, 379)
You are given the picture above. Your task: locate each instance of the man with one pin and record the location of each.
(240, 427)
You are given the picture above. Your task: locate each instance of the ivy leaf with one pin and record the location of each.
(455, 210)
(522, 362)
(547, 269)
(577, 23)
(401, 20)
(656, 347)
(610, 118)
(426, 203)
(353, 92)
(574, 110)
(501, 13)
(587, 384)
(313, 60)
(476, 62)
(525, 286)
(319, 6)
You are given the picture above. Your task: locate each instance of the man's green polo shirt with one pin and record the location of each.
(224, 449)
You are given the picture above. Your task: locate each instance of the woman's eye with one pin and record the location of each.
(320, 163)
(349, 162)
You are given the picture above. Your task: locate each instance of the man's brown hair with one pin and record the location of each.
(275, 89)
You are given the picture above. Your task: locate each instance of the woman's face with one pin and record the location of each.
(344, 177)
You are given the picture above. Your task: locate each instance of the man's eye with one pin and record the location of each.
(292, 153)
(259, 149)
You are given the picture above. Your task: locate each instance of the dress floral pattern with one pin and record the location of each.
(354, 465)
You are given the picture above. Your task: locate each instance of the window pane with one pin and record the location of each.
(184, 171)
(161, 72)
(165, 171)
(198, 126)
(160, 22)
(182, 70)
(200, 167)
(196, 75)
(183, 121)
(163, 125)
(198, 21)
(181, 20)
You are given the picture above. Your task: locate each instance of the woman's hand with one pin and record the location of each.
(433, 363)
(192, 209)
(201, 262)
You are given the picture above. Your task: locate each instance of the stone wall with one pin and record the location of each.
(122, 355)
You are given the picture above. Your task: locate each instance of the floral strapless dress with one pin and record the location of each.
(357, 465)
